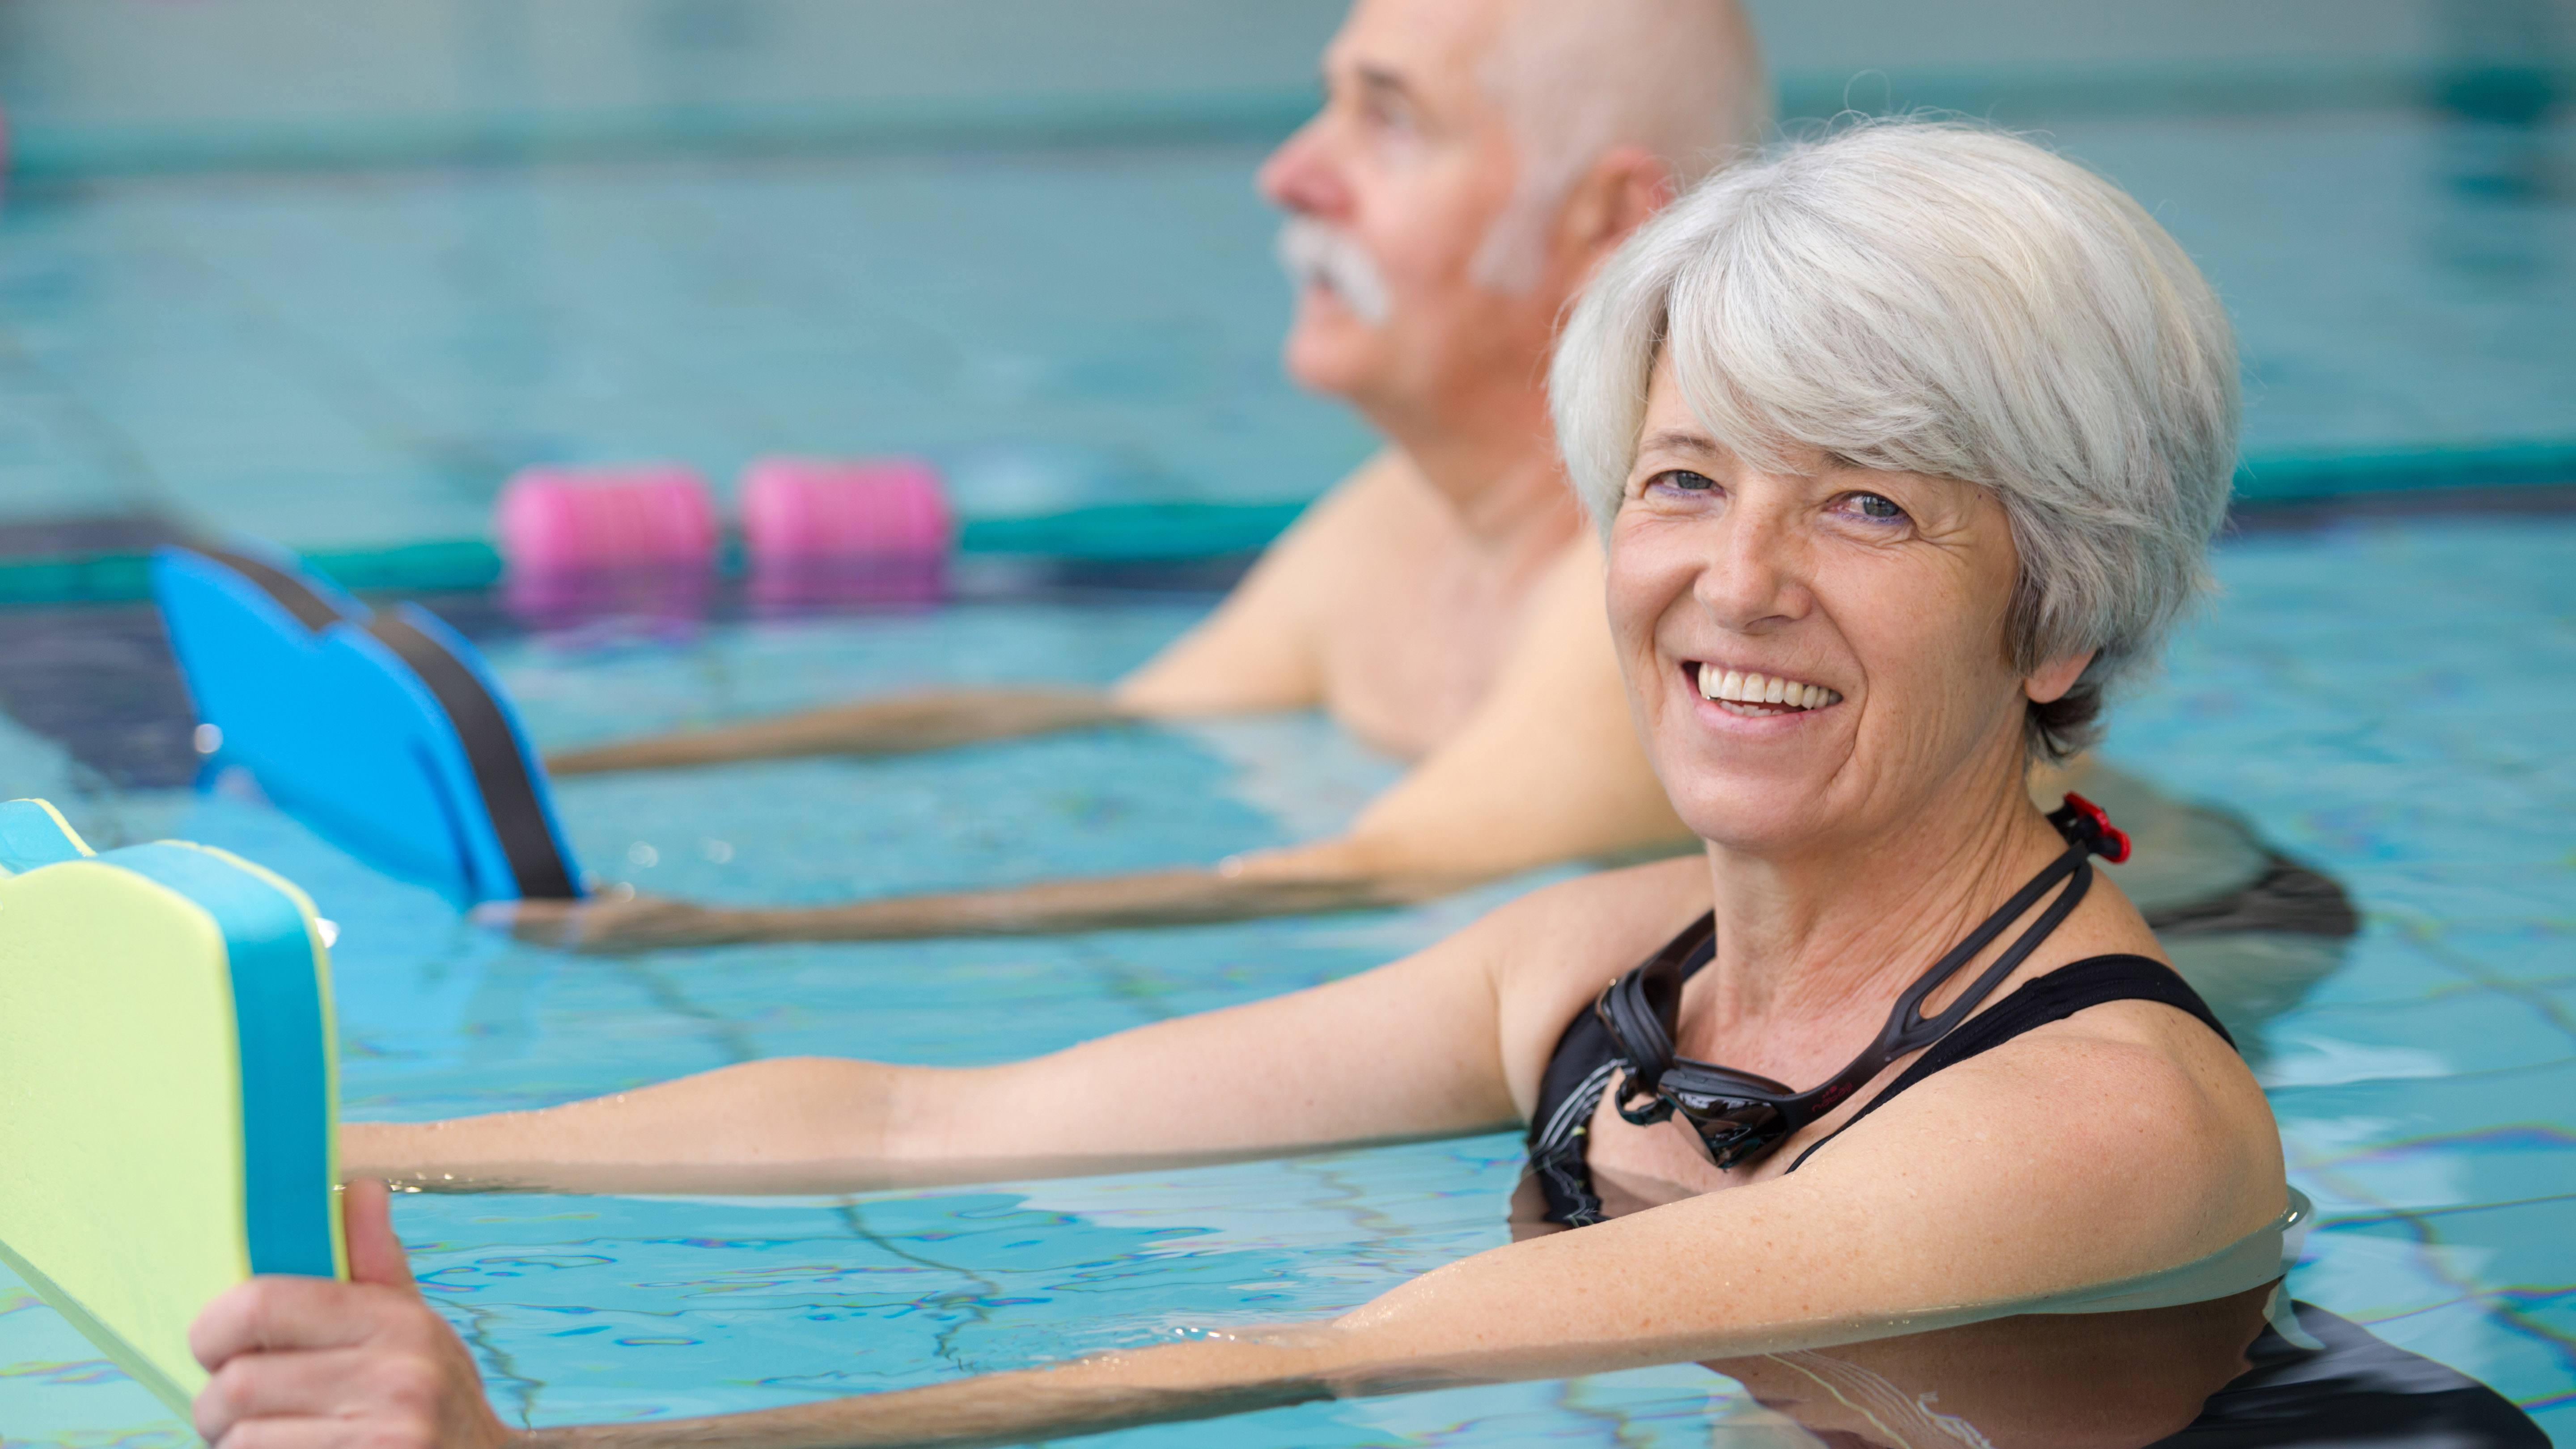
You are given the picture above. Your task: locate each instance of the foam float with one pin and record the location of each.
(167, 1086)
(562, 520)
(835, 531)
(802, 509)
(381, 729)
(628, 541)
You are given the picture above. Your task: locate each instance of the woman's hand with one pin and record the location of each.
(307, 1362)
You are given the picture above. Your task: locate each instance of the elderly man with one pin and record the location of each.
(1473, 161)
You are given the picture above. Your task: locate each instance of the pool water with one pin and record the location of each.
(345, 361)
(357, 359)
(2391, 699)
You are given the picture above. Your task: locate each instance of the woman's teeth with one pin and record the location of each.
(1742, 692)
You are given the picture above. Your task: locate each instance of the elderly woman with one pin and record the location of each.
(1906, 445)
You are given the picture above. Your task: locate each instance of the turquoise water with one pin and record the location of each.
(2354, 692)
(359, 360)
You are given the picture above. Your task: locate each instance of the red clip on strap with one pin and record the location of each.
(2114, 842)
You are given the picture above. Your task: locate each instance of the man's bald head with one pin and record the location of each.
(1474, 160)
(1682, 79)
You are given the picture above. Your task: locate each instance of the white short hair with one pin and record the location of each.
(1940, 298)
(1681, 78)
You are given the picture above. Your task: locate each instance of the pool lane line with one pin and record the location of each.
(2279, 487)
(1115, 533)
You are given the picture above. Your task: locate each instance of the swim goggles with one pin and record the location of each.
(1740, 1117)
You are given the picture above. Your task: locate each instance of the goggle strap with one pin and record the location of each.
(1908, 1017)
(1636, 994)
(1921, 1030)
(1655, 1000)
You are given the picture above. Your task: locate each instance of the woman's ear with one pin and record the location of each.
(2049, 682)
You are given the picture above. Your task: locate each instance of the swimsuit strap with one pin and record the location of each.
(2053, 997)
(1584, 1062)
(1578, 1071)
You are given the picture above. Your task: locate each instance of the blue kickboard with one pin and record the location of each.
(380, 729)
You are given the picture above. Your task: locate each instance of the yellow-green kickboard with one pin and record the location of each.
(133, 1190)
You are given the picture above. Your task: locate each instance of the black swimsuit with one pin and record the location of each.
(2348, 1390)
(1585, 1061)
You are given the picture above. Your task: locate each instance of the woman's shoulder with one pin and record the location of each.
(2106, 923)
(2133, 1091)
(1624, 913)
(2137, 1042)
(1554, 949)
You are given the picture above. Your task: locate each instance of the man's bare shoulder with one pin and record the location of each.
(1381, 505)
(1563, 620)
(1260, 648)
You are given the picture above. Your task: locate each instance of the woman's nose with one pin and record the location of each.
(1755, 576)
(1302, 176)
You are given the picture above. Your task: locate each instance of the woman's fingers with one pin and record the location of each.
(285, 1434)
(316, 1313)
(292, 1314)
(375, 1254)
(367, 1363)
(318, 1349)
(308, 1384)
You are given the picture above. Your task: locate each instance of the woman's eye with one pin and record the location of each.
(1877, 508)
(1682, 480)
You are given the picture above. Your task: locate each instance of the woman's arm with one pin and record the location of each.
(2067, 1159)
(1410, 1049)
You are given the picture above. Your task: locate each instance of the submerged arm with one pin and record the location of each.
(2089, 1162)
(1149, 898)
(1547, 769)
(901, 724)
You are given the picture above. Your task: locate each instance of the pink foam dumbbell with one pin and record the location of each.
(818, 509)
(824, 531)
(559, 521)
(587, 544)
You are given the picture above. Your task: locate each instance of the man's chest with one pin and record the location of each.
(1407, 661)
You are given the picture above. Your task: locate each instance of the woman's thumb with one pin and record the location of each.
(375, 1254)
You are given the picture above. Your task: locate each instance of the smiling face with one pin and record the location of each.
(1851, 622)
(1409, 164)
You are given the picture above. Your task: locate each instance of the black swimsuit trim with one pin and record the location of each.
(2056, 996)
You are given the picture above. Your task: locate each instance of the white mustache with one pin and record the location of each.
(1317, 254)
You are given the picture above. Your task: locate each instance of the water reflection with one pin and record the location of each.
(2201, 1375)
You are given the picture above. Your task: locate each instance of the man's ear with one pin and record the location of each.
(1623, 187)
(2049, 682)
